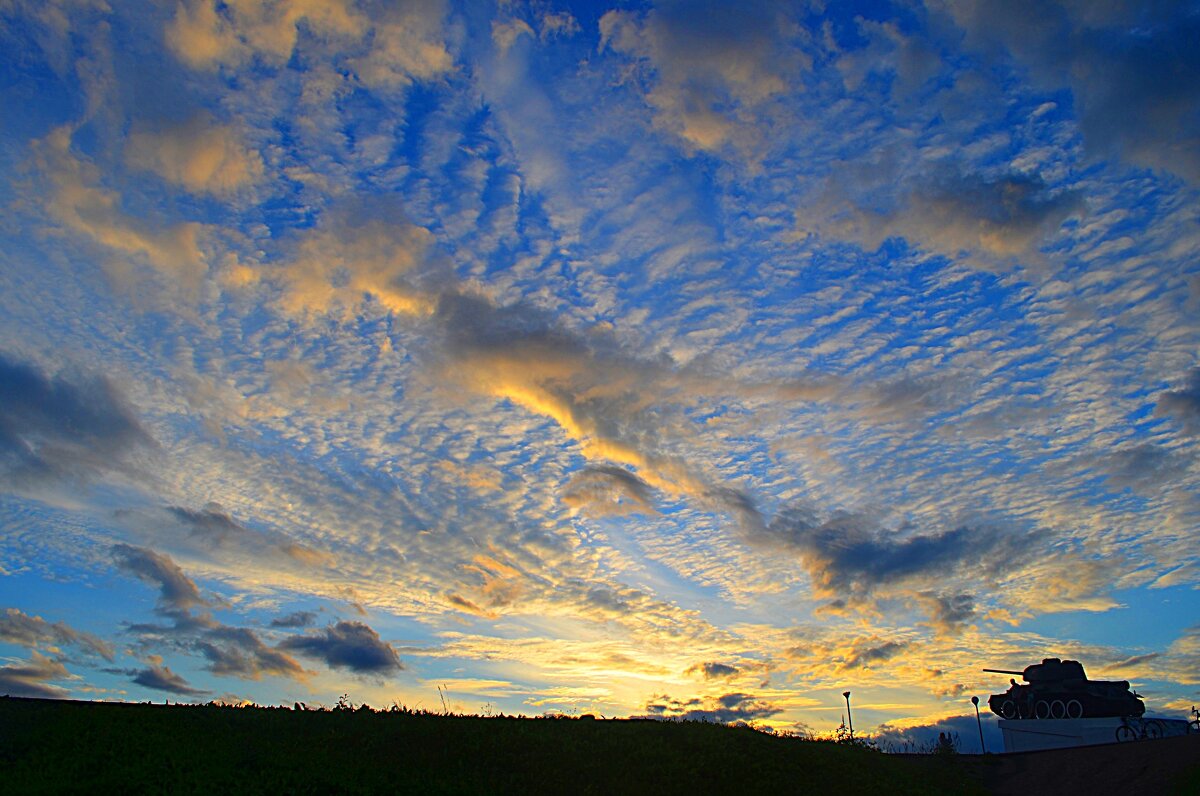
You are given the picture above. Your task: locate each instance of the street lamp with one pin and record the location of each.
(846, 694)
(979, 722)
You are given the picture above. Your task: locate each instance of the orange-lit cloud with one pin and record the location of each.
(79, 202)
(200, 156)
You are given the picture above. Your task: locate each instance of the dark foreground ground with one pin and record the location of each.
(56, 746)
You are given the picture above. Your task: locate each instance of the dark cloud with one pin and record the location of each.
(948, 613)
(239, 652)
(347, 645)
(1136, 660)
(177, 592)
(33, 678)
(234, 651)
(992, 218)
(849, 556)
(31, 631)
(864, 656)
(1133, 69)
(609, 490)
(161, 678)
(60, 428)
(214, 528)
(712, 670)
(1143, 468)
(212, 524)
(923, 738)
(1183, 404)
(295, 619)
(726, 709)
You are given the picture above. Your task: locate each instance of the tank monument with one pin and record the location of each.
(1058, 707)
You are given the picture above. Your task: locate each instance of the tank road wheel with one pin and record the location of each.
(1074, 709)
(1058, 710)
(1008, 709)
(1125, 733)
(1154, 730)
(1042, 709)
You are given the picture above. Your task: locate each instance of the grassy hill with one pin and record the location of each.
(54, 746)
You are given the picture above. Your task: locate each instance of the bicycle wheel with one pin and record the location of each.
(1125, 733)
(1074, 709)
(1154, 730)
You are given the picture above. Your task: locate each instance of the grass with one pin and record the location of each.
(57, 746)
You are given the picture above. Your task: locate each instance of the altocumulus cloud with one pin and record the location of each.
(347, 645)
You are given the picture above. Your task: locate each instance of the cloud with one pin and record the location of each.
(948, 613)
(725, 709)
(506, 33)
(408, 44)
(63, 428)
(357, 253)
(864, 656)
(239, 652)
(1181, 662)
(555, 24)
(1183, 404)
(77, 200)
(178, 593)
(205, 34)
(711, 670)
(710, 67)
(911, 59)
(608, 490)
(201, 156)
(347, 645)
(849, 556)
(387, 45)
(33, 678)
(217, 530)
(1144, 468)
(31, 631)
(1133, 71)
(295, 619)
(988, 221)
(599, 395)
(234, 651)
(161, 678)
(922, 738)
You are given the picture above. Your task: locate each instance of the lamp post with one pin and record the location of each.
(979, 723)
(846, 694)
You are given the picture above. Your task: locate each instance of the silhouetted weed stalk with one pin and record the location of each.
(840, 736)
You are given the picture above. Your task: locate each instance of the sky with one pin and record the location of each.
(669, 359)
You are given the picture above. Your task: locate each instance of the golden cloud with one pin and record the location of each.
(200, 156)
(81, 204)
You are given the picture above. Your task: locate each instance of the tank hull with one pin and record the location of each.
(1063, 704)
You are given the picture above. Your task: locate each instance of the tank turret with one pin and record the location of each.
(1058, 689)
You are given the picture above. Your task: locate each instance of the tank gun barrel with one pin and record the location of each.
(1003, 671)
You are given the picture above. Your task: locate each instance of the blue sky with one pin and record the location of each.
(634, 359)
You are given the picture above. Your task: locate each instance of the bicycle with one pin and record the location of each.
(1132, 729)
(1194, 724)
